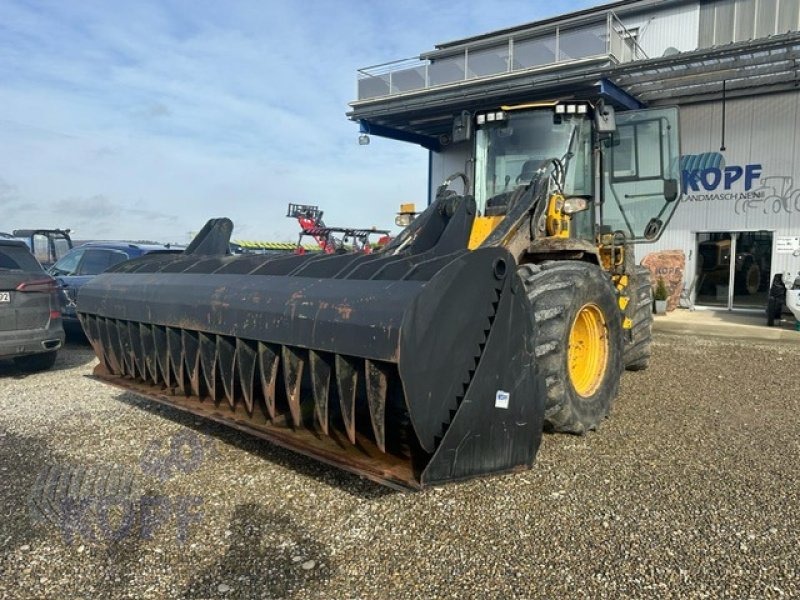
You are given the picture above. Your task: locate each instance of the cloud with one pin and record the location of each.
(101, 209)
(7, 190)
(96, 207)
(154, 110)
(144, 119)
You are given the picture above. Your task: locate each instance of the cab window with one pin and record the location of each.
(98, 261)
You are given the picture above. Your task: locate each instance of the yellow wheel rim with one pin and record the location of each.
(587, 355)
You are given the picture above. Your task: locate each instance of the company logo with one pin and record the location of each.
(711, 178)
(705, 177)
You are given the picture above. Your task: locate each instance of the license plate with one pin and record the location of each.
(5, 296)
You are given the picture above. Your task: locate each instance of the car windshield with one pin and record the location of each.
(509, 152)
(67, 265)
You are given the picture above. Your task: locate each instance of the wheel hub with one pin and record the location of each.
(587, 356)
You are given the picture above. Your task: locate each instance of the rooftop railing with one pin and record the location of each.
(523, 50)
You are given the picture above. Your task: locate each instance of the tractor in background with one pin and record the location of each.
(333, 240)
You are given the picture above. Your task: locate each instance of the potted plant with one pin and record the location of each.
(661, 296)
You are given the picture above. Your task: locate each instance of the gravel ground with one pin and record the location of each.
(690, 490)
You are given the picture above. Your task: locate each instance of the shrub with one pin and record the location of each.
(661, 290)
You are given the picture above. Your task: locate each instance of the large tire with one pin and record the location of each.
(562, 294)
(36, 362)
(748, 280)
(640, 312)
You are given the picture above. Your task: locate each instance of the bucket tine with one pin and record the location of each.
(118, 339)
(268, 369)
(293, 363)
(90, 326)
(208, 363)
(116, 347)
(175, 352)
(134, 349)
(226, 359)
(246, 367)
(112, 344)
(320, 365)
(377, 385)
(148, 352)
(191, 356)
(104, 342)
(137, 358)
(93, 331)
(346, 380)
(160, 343)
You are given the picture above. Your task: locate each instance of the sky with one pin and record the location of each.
(141, 120)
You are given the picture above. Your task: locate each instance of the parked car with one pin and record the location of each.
(31, 330)
(83, 263)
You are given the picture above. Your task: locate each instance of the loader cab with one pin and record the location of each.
(625, 164)
(512, 145)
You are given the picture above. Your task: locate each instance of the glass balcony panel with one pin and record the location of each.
(407, 80)
(582, 42)
(489, 61)
(534, 52)
(446, 70)
(373, 86)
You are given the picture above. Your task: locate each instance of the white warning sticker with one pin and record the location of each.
(501, 399)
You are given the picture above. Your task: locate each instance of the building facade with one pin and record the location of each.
(731, 66)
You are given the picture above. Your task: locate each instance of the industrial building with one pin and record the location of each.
(731, 66)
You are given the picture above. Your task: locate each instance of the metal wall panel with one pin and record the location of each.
(788, 16)
(760, 130)
(674, 27)
(765, 17)
(706, 25)
(745, 19)
(723, 22)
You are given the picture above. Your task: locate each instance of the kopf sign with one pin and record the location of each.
(711, 178)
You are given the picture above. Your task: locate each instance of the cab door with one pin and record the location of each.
(641, 171)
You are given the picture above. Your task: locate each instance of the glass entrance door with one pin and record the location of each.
(752, 268)
(733, 269)
(713, 268)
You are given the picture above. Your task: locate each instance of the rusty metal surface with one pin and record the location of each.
(552, 245)
(362, 457)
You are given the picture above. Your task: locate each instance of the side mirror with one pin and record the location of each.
(462, 127)
(670, 190)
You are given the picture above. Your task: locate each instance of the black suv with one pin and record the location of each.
(30, 318)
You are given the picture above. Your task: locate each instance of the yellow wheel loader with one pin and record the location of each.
(505, 308)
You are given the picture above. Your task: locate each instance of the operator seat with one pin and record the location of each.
(528, 170)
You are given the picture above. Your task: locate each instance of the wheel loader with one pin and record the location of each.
(509, 306)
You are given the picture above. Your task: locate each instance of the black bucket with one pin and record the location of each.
(412, 366)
